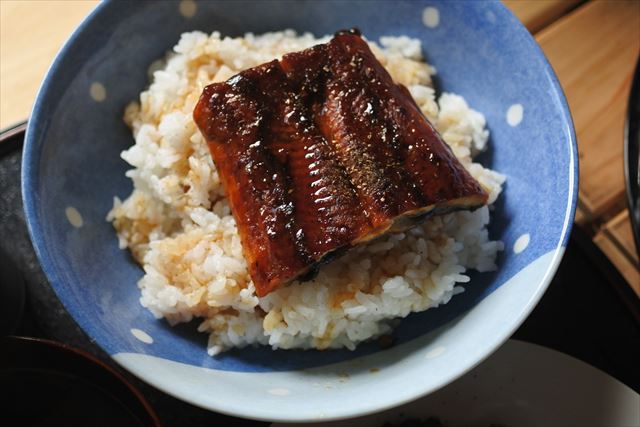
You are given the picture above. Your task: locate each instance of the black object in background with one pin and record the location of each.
(49, 384)
(632, 156)
(12, 295)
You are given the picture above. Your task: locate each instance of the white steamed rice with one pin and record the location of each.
(178, 224)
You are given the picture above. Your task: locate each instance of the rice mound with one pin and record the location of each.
(178, 224)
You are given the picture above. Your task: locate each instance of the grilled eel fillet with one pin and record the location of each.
(322, 151)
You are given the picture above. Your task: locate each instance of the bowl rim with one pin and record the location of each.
(31, 159)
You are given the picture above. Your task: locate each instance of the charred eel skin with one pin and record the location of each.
(322, 151)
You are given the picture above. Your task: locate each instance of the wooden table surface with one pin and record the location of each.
(592, 45)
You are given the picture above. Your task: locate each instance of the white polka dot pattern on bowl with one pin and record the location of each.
(98, 92)
(521, 243)
(279, 392)
(142, 336)
(73, 216)
(430, 17)
(514, 114)
(188, 8)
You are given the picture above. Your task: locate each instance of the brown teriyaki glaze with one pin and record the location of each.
(321, 151)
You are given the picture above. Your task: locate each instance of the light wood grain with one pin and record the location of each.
(594, 50)
(31, 33)
(616, 241)
(537, 14)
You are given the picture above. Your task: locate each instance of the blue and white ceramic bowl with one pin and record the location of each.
(72, 168)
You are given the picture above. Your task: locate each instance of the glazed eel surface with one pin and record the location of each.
(322, 151)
